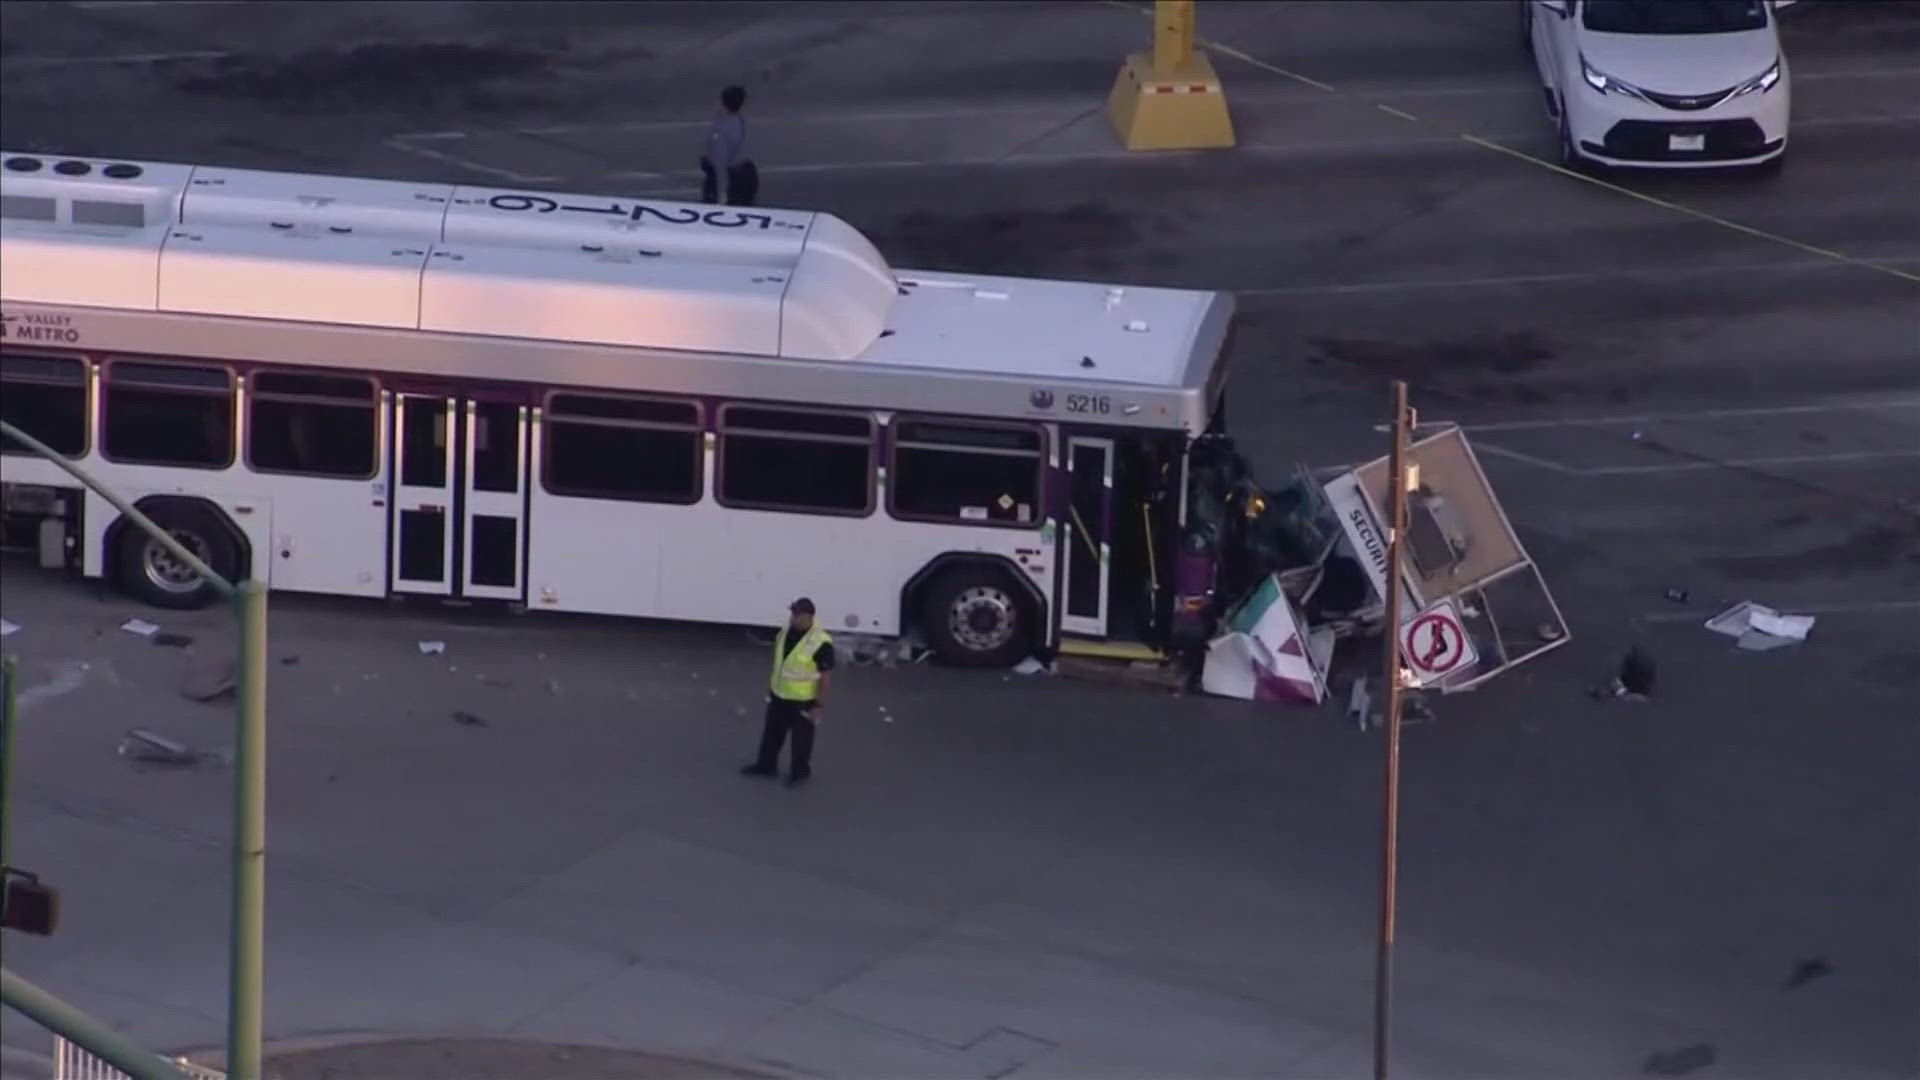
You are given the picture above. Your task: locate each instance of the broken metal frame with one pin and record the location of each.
(246, 923)
(1421, 434)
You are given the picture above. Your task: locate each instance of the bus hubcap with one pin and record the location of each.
(982, 618)
(166, 571)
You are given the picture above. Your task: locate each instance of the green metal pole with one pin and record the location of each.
(84, 1031)
(244, 983)
(7, 673)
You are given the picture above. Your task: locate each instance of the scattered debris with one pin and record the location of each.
(172, 640)
(209, 678)
(553, 686)
(1806, 971)
(1634, 682)
(1031, 666)
(1359, 704)
(868, 650)
(1682, 1061)
(1678, 596)
(1263, 656)
(432, 648)
(1637, 672)
(8, 628)
(463, 717)
(140, 626)
(145, 747)
(1760, 629)
(290, 659)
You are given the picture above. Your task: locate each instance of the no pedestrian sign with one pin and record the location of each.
(1434, 644)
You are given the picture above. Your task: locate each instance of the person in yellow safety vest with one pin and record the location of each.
(802, 670)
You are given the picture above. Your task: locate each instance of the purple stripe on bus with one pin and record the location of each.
(1192, 574)
(1059, 491)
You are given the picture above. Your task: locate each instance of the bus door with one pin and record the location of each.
(460, 497)
(1086, 544)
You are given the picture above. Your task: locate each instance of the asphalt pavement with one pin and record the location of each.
(996, 875)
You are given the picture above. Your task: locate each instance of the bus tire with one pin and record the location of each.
(977, 618)
(148, 570)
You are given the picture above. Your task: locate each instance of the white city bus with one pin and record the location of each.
(582, 404)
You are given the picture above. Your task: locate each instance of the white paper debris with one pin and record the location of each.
(1784, 626)
(432, 648)
(1758, 628)
(140, 626)
(1228, 670)
(1755, 641)
(1030, 666)
(1359, 704)
(7, 628)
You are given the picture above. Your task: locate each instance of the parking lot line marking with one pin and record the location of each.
(115, 58)
(109, 5)
(613, 127)
(1573, 277)
(1860, 607)
(1694, 212)
(1493, 450)
(1561, 423)
(1552, 423)
(1534, 159)
(1838, 459)
(444, 158)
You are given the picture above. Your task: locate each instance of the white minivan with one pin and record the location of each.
(1661, 83)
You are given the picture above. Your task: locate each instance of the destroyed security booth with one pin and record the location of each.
(1460, 545)
(1314, 595)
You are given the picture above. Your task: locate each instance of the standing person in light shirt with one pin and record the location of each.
(727, 174)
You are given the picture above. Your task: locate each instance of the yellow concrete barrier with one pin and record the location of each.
(1170, 99)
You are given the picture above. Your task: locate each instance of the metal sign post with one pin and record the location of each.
(1390, 818)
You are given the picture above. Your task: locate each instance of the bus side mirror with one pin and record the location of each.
(30, 907)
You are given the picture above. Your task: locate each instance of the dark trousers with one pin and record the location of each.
(785, 717)
(743, 184)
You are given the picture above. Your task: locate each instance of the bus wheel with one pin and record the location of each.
(977, 619)
(157, 576)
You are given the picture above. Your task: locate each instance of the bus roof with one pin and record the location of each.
(157, 239)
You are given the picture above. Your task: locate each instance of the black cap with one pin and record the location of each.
(802, 606)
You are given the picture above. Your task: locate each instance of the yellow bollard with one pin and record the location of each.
(1170, 99)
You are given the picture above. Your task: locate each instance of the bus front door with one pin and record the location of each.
(1085, 547)
(459, 498)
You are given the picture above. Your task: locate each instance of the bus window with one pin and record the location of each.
(46, 397)
(168, 414)
(792, 459)
(313, 425)
(976, 473)
(630, 449)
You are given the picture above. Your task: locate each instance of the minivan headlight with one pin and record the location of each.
(1762, 82)
(1605, 83)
